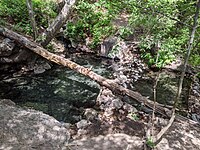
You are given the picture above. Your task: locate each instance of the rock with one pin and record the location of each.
(164, 144)
(66, 125)
(118, 141)
(76, 118)
(116, 104)
(46, 66)
(181, 136)
(29, 129)
(40, 68)
(107, 45)
(90, 114)
(162, 122)
(107, 92)
(108, 112)
(82, 124)
(81, 132)
(129, 108)
(6, 47)
(195, 117)
(7, 102)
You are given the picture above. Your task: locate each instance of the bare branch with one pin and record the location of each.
(32, 18)
(191, 40)
(58, 22)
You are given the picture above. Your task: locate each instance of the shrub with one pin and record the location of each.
(92, 21)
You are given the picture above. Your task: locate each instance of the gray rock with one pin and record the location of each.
(40, 68)
(109, 142)
(116, 104)
(6, 47)
(196, 117)
(25, 129)
(76, 118)
(7, 102)
(107, 45)
(129, 108)
(108, 112)
(82, 124)
(90, 114)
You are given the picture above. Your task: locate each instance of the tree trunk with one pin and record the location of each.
(58, 22)
(32, 18)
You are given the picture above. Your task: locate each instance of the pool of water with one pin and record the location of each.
(166, 90)
(59, 92)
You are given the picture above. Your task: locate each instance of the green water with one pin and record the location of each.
(59, 92)
(63, 93)
(166, 89)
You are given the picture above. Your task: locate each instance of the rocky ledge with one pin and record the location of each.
(27, 129)
(22, 129)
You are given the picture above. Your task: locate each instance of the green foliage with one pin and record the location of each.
(125, 32)
(147, 17)
(23, 27)
(15, 9)
(167, 21)
(2, 22)
(92, 20)
(198, 75)
(133, 116)
(195, 59)
(15, 12)
(150, 143)
(44, 11)
(164, 55)
(50, 48)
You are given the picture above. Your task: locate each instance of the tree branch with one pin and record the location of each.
(162, 132)
(32, 18)
(58, 22)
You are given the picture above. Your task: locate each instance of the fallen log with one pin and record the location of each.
(110, 84)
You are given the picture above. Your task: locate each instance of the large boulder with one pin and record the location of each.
(23, 129)
(117, 141)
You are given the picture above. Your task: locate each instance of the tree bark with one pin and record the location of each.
(58, 22)
(32, 18)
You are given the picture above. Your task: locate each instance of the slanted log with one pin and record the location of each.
(110, 84)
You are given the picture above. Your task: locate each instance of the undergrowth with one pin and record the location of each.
(166, 21)
(15, 12)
